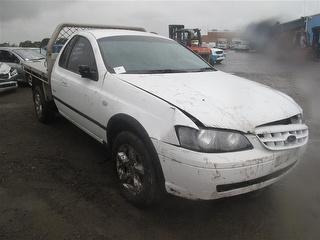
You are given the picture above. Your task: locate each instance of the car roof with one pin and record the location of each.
(102, 33)
(8, 48)
(16, 48)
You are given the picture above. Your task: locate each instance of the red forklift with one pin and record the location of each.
(190, 38)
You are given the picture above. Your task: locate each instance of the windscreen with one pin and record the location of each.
(142, 54)
(29, 54)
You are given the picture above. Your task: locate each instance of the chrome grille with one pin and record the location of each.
(4, 75)
(281, 137)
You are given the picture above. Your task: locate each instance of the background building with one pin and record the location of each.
(214, 35)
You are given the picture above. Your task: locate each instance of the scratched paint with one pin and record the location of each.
(218, 99)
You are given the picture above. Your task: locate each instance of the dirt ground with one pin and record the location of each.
(58, 183)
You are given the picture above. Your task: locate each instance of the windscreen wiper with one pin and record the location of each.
(37, 59)
(155, 71)
(207, 69)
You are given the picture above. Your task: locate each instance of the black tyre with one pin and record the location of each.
(42, 108)
(29, 80)
(135, 169)
(212, 62)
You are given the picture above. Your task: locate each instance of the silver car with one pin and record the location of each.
(8, 76)
(14, 56)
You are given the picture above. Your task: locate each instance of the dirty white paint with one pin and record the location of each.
(196, 175)
(219, 99)
(159, 102)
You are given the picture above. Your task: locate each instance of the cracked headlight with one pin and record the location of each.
(13, 72)
(297, 119)
(212, 140)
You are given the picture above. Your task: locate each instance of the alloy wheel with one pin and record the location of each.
(38, 104)
(130, 169)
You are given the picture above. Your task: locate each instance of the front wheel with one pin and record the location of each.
(212, 61)
(135, 169)
(29, 80)
(42, 108)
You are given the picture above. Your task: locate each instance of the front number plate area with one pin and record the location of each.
(286, 159)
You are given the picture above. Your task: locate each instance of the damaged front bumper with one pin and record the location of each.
(197, 175)
(8, 79)
(8, 85)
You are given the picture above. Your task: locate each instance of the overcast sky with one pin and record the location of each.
(34, 20)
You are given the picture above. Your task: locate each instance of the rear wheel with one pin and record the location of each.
(42, 108)
(135, 169)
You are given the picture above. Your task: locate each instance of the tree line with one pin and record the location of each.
(27, 43)
(30, 44)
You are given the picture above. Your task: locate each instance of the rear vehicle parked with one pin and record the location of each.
(240, 45)
(222, 43)
(218, 55)
(174, 123)
(15, 56)
(8, 77)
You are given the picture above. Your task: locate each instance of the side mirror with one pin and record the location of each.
(86, 72)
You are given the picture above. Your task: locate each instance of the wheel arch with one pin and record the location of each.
(45, 90)
(124, 122)
(35, 82)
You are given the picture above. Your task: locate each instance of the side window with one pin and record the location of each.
(2, 56)
(66, 51)
(6, 56)
(82, 54)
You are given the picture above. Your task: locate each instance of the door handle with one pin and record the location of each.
(65, 84)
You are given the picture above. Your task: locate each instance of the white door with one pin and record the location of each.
(76, 94)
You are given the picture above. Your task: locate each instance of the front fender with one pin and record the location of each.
(156, 116)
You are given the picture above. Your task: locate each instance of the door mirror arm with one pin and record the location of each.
(86, 72)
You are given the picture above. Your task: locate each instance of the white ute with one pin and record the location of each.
(173, 122)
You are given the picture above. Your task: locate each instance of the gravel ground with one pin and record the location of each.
(58, 183)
